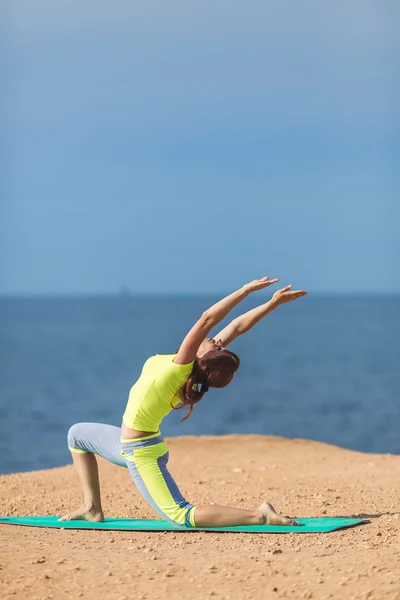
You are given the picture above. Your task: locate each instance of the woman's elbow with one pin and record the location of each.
(207, 320)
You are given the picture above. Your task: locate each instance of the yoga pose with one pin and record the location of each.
(166, 382)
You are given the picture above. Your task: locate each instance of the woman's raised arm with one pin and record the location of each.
(246, 321)
(212, 316)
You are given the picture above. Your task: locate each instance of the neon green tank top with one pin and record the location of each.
(150, 398)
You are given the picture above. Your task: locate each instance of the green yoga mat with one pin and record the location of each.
(307, 525)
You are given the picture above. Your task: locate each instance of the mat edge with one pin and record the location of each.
(279, 530)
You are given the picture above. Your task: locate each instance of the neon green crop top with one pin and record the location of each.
(150, 398)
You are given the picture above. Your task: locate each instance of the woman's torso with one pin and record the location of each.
(153, 395)
(132, 434)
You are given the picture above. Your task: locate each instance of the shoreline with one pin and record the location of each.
(302, 478)
(205, 437)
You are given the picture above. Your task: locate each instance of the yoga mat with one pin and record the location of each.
(307, 525)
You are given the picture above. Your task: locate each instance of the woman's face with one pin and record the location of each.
(207, 345)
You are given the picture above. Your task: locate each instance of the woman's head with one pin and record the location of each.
(207, 345)
(213, 368)
(219, 366)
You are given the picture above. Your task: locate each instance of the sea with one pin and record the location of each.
(322, 368)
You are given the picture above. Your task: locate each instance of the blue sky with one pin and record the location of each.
(190, 146)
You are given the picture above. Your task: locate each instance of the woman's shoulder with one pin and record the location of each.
(167, 361)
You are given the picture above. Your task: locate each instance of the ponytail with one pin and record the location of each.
(193, 390)
(215, 369)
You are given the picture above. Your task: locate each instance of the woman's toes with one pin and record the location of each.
(292, 521)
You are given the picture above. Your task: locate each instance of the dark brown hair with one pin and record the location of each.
(215, 369)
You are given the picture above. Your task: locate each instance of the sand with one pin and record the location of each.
(302, 478)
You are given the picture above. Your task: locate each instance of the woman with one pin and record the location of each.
(167, 382)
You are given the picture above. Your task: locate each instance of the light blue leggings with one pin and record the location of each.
(146, 458)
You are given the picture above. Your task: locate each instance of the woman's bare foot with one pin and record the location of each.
(85, 513)
(273, 518)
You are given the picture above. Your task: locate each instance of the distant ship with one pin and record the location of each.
(125, 292)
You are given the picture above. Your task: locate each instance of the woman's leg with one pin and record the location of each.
(85, 440)
(225, 516)
(88, 473)
(147, 463)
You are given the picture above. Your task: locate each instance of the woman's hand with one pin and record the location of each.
(258, 284)
(286, 294)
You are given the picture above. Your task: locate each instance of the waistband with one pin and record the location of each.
(148, 440)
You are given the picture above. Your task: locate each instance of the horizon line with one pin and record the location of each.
(128, 295)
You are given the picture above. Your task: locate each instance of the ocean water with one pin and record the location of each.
(322, 368)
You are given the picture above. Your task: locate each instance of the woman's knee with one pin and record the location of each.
(183, 517)
(76, 436)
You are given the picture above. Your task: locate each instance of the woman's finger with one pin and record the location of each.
(295, 294)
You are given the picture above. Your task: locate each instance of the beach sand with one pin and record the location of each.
(301, 478)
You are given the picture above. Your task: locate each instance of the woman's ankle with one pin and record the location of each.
(92, 507)
(261, 518)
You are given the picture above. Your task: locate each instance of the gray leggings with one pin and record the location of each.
(146, 458)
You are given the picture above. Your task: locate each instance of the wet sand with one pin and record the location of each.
(301, 478)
